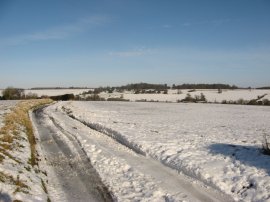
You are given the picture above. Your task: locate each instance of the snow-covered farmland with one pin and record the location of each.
(211, 95)
(128, 175)
(175, 95)
(216, 144)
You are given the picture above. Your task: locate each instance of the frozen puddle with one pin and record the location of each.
(129, 176)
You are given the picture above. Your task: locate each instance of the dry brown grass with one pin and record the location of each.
(14, 122)
(20, 185)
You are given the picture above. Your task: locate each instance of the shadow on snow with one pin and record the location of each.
(4, 197)
(248, 155)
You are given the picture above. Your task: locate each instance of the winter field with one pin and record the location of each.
(215, 145)
(140, 151)
(175, 95)
(172, 96)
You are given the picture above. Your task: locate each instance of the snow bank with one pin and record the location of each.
(5, 106)
(18, 179)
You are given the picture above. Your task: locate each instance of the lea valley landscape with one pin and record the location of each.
(136, 144)
(128, 101)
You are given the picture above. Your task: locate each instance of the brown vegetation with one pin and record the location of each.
(17, 124)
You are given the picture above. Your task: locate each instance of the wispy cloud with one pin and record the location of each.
(208, 22)
(132, 53)
(59, 32)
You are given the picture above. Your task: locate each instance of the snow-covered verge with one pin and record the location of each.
(217, 144)
(5, 107)
(177, 95)
(21, 178)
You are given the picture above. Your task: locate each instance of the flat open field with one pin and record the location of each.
(144, 151)
(217, 145)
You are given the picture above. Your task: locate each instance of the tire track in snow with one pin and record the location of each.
(77, 180)
(165, 177)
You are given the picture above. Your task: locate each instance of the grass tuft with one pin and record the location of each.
(20, 185)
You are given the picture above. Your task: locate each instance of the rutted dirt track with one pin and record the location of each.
(77, 180)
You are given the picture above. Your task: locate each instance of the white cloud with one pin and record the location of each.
(59, 32)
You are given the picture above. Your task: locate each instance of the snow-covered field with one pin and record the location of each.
(172, 96)
(218, 145)
(128, 175)
(211, 95)
(150, 151)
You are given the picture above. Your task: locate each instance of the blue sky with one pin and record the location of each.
(114, 42)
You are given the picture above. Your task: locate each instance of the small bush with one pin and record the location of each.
(188, 98)
(252, 102)
(94, 97)
(241, 101)
(266, 145)
(266, 102)
(31, 96)
(117, 99)
(224, 102)
(198, 98)
(64, 97)
(11, 93)
(202, 98)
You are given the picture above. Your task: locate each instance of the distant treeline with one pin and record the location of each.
(266, 88)
(164, 87)
(137, 87)
(57, 88)
(158, 87)
(144, 86)
(204, 86)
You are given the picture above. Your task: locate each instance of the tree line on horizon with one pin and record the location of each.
(204, 86)
(158, 87)
(141, 87)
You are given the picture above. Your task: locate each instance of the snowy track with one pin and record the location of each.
(128, 175)
(72, 177)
